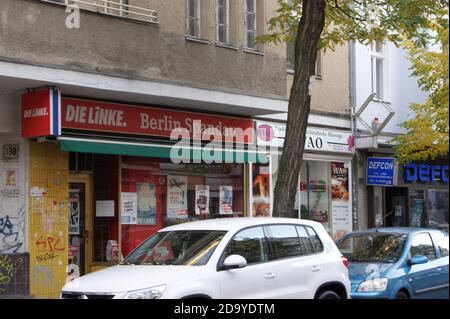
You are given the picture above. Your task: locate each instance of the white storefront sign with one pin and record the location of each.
(317, 139)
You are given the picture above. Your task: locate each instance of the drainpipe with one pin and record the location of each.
(352, 99)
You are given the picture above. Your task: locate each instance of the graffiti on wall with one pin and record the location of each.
(43, 276)
(14, 274)
(49, 244)
(10, 241)
(12, 200)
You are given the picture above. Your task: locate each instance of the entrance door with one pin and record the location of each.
(395, 213)
(79, 225)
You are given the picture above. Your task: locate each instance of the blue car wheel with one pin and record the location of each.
(401, 295)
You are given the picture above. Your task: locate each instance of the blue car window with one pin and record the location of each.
(372, 247)
(422, 245)
(441, 241)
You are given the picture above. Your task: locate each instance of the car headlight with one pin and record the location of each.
(377, 284)
(148, 293)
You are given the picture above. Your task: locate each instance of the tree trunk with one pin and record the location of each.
(309, 31)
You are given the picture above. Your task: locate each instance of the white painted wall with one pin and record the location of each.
(401, 89)
(13, 179)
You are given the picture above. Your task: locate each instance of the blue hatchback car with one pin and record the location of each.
(397, 263)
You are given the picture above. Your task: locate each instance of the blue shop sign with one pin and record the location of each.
(380, 171)
(425, 173)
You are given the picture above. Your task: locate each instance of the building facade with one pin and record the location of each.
(90, 94)
(77, 197)
(390, 193)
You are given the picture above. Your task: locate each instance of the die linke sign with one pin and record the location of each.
(77, 114)
(41, 113)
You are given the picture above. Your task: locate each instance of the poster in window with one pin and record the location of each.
(417, 208)
(129, 208)
(341, 215)
(146, 203)
(226, 199)
(261, 190)
(177, 197)
(201, 199)
(74, 212)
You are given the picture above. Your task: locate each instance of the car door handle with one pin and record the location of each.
(315, 268)
(270, 275)
(439, 268)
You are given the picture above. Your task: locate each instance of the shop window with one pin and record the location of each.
(315, 203)
(417, 208)
(81, 162)
(437, 202)
(156, 193)
(260, 190)
(105, 207)
(325, 195)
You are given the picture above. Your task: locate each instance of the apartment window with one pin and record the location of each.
(222, 21)
(250, 24)
(290, 59)
(193, 18)
(319, 68)
(377, 64)
(58, 1)
(290, 54)
(117, 7)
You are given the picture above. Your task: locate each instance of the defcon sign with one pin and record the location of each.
(425, 173)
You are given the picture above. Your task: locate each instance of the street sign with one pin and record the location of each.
(380, 171)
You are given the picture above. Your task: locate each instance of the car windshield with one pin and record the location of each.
(372, 247)
(187, 247)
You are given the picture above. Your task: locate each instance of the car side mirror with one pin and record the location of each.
(234, 262)
(418, 259)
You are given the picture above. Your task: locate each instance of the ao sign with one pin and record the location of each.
(426, 173)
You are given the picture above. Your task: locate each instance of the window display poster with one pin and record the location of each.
(177, 197)
(74, 212)
(341, 216)
(417, 208)
(226, 199)
(104, 208)
(261, 190)
(146, 203)
(129, 208)
(201, 199)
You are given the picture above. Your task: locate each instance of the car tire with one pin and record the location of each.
(328, 294)
(401, 295)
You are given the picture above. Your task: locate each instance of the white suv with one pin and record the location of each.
(225, 258)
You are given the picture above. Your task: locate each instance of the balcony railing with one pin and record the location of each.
(119, 8)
